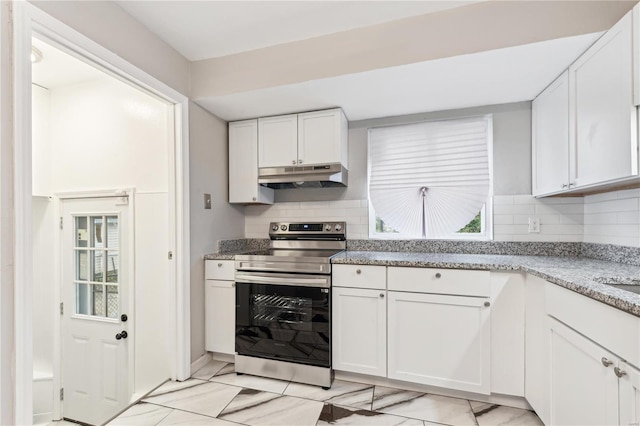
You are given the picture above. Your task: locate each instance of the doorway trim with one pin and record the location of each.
(27, 20)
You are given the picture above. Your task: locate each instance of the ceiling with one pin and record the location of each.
(208, 29)
(59, 69)
(494, 77)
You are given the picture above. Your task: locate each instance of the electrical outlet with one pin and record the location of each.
(207, 201)
(534, 225)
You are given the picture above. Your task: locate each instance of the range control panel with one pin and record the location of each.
(310, 229)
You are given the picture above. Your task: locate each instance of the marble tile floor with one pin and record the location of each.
(215, 395)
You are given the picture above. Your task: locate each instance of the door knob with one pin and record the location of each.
(122, 335)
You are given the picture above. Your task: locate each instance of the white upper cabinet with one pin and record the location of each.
(550, 138)
(243, 165)
(311, 138)
(322, 137)
(278, 141)
(603, 117)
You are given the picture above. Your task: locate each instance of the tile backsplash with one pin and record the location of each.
(609, 218)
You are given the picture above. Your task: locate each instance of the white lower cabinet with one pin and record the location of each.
(629, 394)
(359, 330)
(583, 386)
(220, 316)
(440, 340)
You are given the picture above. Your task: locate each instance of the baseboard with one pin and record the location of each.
(508, 400)
(200, 362)
(42, 418)
(223, 357)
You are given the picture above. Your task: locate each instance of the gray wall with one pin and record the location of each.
(208, 172)
(511, 152)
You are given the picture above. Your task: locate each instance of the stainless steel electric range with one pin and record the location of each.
(283, 303)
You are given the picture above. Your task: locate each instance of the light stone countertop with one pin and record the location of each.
(574, 273)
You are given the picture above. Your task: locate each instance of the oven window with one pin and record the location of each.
(291, 310)
(289, 323)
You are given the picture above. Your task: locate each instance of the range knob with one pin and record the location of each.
(338, 227)
(327, 228)
(274, 228)
(283, 227)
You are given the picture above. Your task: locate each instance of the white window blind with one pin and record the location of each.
(430, 179)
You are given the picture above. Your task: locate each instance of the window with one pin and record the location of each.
(431, 180)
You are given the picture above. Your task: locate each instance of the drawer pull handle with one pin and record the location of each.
(358, 271)
(382, 295)
(619, 372)
(605, 361)
(438, 275)
(487, 304)
(219, 265)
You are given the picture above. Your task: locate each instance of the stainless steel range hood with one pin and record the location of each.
(319, 176)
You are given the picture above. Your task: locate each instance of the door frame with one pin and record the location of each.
(27, 21)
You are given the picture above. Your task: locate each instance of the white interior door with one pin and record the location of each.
(96, 337)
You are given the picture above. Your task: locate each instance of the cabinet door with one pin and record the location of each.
(440, 340)
(320, 137)
(583, 391)
(243, 165)
(603, 118)
(278, 141)
(220, 316)
(550, 138)
(629, 391)
(359, 331)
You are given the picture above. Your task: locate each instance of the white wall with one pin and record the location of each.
(208, 173)
(613, 218)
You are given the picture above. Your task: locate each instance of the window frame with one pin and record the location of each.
(487, 209)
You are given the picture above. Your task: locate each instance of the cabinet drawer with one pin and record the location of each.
(441, 281)
(359, 276)
(219, 270)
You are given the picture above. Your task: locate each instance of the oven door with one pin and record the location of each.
(285, 317)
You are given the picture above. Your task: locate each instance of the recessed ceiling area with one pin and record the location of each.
(494, 77)
(209, 29)
(59, 69)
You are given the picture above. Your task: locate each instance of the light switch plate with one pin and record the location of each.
(207, 201)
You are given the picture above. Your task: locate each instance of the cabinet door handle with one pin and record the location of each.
(487, 304)
(299, 161)
(438, 275)
(219, 265)
(382, 295)
(358, 271)
(605, 361)
(254, 198)
(572, 183)
(619, 372)
(293, 161)
(564, 185)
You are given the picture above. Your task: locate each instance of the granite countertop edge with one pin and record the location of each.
(574, 273)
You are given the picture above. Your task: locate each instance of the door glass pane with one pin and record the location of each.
(112, 267)
(113, 241)
(97, 300)
(81, 299)
(112, 301)
(82, 266)
(97, 237)
(97, 266)
(82, 232)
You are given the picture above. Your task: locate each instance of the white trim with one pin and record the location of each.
(200, 362)
(28, 19)
(23, 241)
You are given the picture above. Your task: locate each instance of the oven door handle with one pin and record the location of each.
(323, 282)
